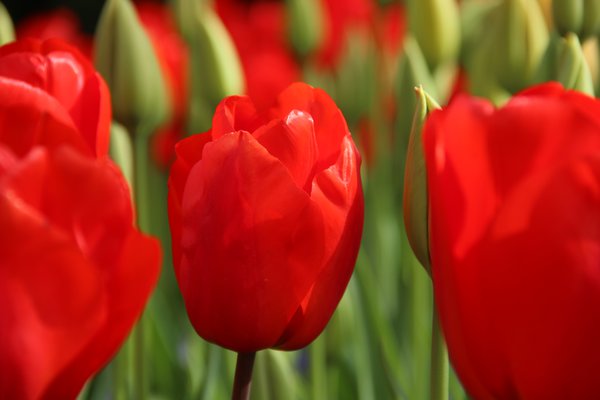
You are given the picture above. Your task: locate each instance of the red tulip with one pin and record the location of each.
(58, 24)
(173, 56)
(515, 242)
(74, 273)
(390, 28)
(266, 215)
(258, 30)
(342, 16)
(50, 94)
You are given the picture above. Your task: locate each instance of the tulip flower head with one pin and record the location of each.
(515, 242)
(266, 214)
(51, 94)
(75, 274)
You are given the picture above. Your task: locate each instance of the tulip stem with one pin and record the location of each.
(439, 372)
(141, 198)
(318, 377)
(243, 376)
(141, 150)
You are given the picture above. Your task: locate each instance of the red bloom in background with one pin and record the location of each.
(172, 53)
(341, 17)
(515, 242)
(258, 31)
(266, 214)
(390, 28)
(58, 24)
(51, 94)
(74, 272)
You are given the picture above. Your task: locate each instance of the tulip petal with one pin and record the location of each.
(84, 187)
(294, 143)
(330, 126)
(338, 193)
(455, 184)
(93, 116)
(188, 151)
(243, 281)
(29, 117)
(86, 271)
(128, 288)
(64, 74)
(514, 236)
(40, 319)
(235, 113)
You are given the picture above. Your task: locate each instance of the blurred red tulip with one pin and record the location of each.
(173, 55)
(258, 30)
(515, 242)
(366, 138)
(460, 85)
(74, 272)
(342, 17)
(50, 94)
(266, 214)
(390, 28)
(58, 24)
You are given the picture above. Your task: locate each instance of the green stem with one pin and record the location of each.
(119, 374)
(140, 181)
(138, 358)
(439, 373)
(318, 377)
(243, 376)
(140, 155)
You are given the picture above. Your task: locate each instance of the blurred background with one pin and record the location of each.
(369, 56)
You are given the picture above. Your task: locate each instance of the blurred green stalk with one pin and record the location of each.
(439, 371)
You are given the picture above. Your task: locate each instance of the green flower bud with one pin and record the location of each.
(305, 25)
(591, 19)
(416, 215)
(436, 26)
(572, 69)
(472, 27)
(509, 53)
(567, 15)
(356, 78)
(121, 150)
(216, 68)
(7, 30)
(412, 71)
(126, 59)
(581, 17)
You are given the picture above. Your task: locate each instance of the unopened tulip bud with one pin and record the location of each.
(509, 53)
(591, 19)
(7, 30)
(125, 58)
(216, 66)
(183, 15)
(435, 24)
(415, 182)
(567, 15)
(572, 69)
(356, 77)
(413, 71)
(121, 151)
(305, 25)
(581, 17)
